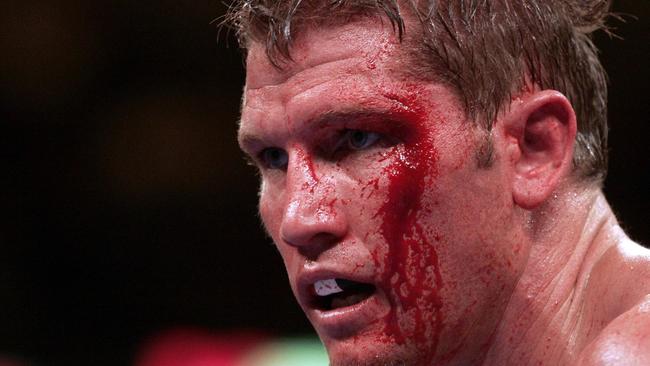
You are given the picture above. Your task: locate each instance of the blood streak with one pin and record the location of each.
(308, 166)
(410, 266)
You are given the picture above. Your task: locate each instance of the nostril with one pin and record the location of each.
(305, 227)
(319, 244)
(307, 239)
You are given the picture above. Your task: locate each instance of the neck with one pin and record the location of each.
(545, 315)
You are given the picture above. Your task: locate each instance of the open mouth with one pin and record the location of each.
(334, 293)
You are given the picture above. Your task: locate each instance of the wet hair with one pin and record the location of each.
(487, 51)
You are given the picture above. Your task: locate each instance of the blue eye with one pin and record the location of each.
(274, 158)
(358, 140)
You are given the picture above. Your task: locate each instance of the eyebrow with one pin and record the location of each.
(337, 117)
(325, 120)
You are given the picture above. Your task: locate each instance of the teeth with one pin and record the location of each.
(327, 287)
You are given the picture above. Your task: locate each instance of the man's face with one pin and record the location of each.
(397, 246)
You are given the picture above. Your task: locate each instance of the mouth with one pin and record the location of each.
(336, 293)
(342, 303)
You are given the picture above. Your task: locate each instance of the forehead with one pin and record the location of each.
(356, 67)
(369, 39)
(336, 68)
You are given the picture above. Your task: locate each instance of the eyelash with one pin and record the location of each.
(271, 153)
(346, 141)
(277, 158)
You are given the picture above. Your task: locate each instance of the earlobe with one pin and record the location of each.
(541, 127)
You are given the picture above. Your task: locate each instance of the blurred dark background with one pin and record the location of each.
(127, 207)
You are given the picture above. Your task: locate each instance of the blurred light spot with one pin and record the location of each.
(289, 352)
(192, 347)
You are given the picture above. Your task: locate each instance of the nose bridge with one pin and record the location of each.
(311, 214)
(301, 174)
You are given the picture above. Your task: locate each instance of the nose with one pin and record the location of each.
(313, 220)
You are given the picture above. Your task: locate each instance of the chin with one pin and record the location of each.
(373, 350)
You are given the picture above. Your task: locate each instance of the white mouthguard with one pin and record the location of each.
(327, 287)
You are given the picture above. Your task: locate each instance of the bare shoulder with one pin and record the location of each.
(623, 283)
(624, 342)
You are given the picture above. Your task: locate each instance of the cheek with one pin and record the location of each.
(408, 269)
(360, 191)
(480, 255)
(271, 213)
(409, 264)
(270, 210)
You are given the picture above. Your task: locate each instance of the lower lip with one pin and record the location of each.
(350, 320)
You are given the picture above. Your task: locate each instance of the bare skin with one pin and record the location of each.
(371, 176)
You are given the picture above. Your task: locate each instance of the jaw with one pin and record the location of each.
(372, 350)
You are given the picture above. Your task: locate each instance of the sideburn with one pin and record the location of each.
(484, 155)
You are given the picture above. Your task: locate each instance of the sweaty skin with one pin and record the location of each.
(371, 175)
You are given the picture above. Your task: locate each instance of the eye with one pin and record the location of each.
(359, 140)
(274, 158)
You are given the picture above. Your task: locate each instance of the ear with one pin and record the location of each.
(540, 130)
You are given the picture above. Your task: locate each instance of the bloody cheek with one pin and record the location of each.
(409, 267)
